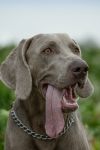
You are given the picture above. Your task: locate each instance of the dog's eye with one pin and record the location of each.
(76, 50)
(47, 51)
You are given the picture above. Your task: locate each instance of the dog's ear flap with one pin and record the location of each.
(87, 90)
(23, 74)
(15, 71)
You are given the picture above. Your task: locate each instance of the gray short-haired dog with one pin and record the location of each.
(47, 74)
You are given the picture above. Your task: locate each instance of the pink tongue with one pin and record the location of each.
(54, 116)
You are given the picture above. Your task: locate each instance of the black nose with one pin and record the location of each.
(79, 68)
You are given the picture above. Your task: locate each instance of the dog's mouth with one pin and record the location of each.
(68, 96)
(69, 99)
(57, 102)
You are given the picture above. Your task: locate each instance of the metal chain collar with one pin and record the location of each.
(69, 122)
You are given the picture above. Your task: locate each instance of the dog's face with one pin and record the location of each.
(53, 64)
(55, 60)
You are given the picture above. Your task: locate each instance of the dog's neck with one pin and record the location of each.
(35, 107)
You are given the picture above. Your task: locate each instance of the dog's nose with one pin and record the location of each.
(79, 68)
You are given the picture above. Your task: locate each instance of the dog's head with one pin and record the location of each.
(53, 64)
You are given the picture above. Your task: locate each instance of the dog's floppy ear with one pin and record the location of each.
(87, 90)
(15, 71)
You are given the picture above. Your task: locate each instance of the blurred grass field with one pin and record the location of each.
(89, 108)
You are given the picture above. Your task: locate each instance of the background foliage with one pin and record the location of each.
(89, 108)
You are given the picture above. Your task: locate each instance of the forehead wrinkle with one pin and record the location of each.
(49, 44)
(52, 43)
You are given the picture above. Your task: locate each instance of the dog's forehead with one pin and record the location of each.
(55, 40)
(56, 37)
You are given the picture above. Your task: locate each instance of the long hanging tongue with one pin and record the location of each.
(54, 116)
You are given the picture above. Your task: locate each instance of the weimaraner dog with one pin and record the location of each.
(48, 74)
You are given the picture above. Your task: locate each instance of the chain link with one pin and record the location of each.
(69, 122)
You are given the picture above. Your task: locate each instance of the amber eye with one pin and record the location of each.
(76, 50)
(47, 51)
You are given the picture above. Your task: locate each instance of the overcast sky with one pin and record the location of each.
(25, 18)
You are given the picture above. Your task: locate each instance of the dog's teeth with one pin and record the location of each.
(65, 100)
